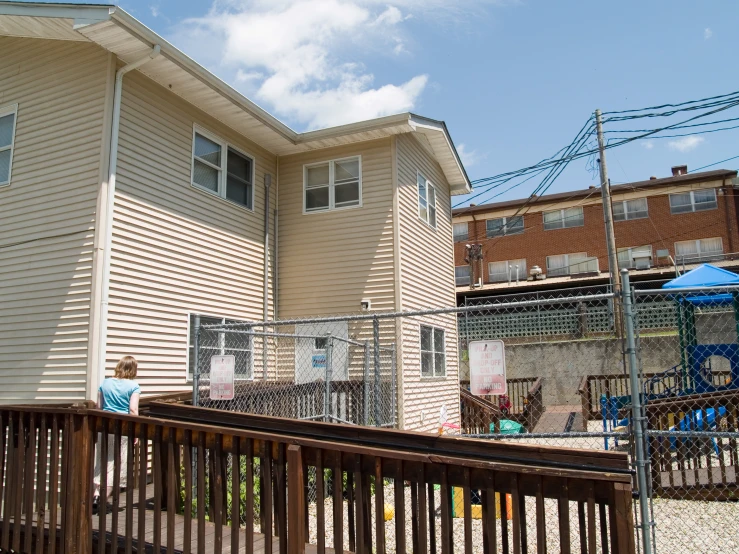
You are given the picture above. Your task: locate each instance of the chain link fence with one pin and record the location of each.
(688, 358)
(569, 385)
(573, 363)
(339, 371)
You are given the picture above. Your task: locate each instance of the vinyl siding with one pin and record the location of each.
(47, 216)
(176, 249)
(330, 261)
(427, 281)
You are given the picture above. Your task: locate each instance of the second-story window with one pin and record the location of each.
(7, 138)
(562, 219)
(693, 201)
(219, 168)
(426, 200)
(501, 226)
(461, 232)
(630, 209)
(333, 185)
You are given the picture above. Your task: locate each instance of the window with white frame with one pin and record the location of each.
(501, 226)
(571, 264)
(426, 200)
(562, 219)
(462, 275)
(7, 140)
(635, 257)
(701, 250)
(514, 270)
(221, 169)
(219, 342)
(332, 185)
(693, 201)
(461, 231)
(433, 354)
(630, 209)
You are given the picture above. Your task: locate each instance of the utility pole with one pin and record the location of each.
(474, 254)
(605, 191)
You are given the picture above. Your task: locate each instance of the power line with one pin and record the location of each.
(695, 133)
(711, 165)
(676, 127)
(678, 105)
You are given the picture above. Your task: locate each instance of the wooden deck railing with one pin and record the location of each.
(526, 397)
(226, 482)
(592, 387)
(695, 467)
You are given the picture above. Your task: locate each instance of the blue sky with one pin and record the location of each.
(514, 80)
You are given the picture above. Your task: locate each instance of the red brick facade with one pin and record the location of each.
(661, 229)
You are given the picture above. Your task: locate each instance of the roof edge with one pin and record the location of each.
(419, 120)
(579, 193)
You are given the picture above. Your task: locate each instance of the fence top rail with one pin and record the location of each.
(407, 441)
(224, 328)
(684, 290)
(419, 313)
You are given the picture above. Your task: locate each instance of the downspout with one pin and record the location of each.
(276, 274)
(108, 238)
(265, 307)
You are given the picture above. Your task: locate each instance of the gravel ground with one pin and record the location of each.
(681, 526)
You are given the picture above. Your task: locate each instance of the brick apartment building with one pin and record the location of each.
(681, 220)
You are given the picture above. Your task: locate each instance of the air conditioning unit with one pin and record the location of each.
(536, 273)
(642, 262)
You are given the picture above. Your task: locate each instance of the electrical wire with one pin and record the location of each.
(673, 105)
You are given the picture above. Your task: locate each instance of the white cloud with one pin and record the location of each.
(154, 9)
(707, 33)
(469, 157)
(303, 58)
(648, 144)
(685, 144)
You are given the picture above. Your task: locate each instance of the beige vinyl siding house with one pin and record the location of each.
(348, 251)
(177, 248)
(426, 256)
(47, 215)
(159, 137)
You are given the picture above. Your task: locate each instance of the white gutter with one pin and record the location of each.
(108, 237)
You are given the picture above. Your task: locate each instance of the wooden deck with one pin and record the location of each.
(130, 529)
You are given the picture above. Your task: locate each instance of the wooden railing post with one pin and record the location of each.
(80, 465)
(296, 501)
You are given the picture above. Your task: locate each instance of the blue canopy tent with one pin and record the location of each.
(695, 377)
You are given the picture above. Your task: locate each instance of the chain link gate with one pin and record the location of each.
(315, 370)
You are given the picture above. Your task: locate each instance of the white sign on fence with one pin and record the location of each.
(487, 367)
(222, 377)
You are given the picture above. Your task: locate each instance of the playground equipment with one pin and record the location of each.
(694, 374)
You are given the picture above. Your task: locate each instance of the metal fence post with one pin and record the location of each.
(329, 376)
(365, 385)
(376, 338)
(637, 416)
(196, 368)
(393, 388)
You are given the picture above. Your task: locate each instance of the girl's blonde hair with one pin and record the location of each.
(126, 368)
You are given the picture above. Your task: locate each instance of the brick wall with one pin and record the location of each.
(660, 230)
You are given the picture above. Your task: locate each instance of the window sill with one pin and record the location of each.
(434, 377)
(331, 210)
